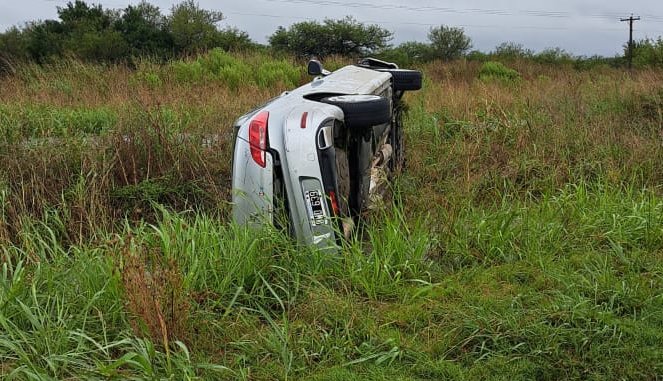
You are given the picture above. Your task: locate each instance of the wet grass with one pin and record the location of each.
(526, 241)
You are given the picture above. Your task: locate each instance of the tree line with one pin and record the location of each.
(90, 32)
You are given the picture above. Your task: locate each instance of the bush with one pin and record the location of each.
(497, 71)
(92, 33)
(648, 53)
(476, 55)
(188, 72)
(511, 50)
(235, 76)
(448, 43)
(408, 53)
(220, 66)
(593, 62)
(343, 37)
(274, 72)
(554, 56)
(192, 28)
(233, 39)
(216, 60)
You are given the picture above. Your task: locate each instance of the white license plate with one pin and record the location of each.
(316, 209)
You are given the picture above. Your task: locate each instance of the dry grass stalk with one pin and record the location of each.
(154, 295)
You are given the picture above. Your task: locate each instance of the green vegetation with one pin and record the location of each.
(235, 72)
(448, 43)
(19, 122)
(444, 43)
(331, 37)
(91, 33)
(525, 240)
(647, 53)
(496, 70)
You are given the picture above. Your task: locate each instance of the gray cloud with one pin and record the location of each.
(581, 27)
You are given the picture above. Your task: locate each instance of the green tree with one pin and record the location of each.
(344, 37)
(192, 28)
(103, 45)
(647, 52)
(233, 39)
(418, 51)
(89, 32)
(408, 53)
(511, 50)
(449, 43)
(79, 17)
(45, 39)
(554, 56)
(143, 27)
(13, 44)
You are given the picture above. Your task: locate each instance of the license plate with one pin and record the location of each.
(316, 209)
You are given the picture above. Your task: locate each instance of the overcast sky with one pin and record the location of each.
(583, 27)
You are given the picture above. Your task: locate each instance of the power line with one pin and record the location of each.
(455, 10)
(421, 23)
(428, 9)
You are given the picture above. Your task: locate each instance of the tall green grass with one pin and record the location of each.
(21, 122)
(563, 287)
(235, 72)
(525, 240)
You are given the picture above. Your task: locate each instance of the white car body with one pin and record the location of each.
(299, 129)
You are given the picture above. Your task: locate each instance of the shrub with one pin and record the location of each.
(511, 50)
(188, 72)
(554, 56)
(234, 72)
(476, 55)
(495, 70)
(408, 53)
(345, 36)
(648, 53)
(236, 75)
(448, 43)
(275, 72)
(216, 60)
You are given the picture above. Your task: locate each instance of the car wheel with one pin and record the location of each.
(406, 80)
(362, 110)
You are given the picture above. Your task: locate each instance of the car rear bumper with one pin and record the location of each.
(292, 177)
(253, 187)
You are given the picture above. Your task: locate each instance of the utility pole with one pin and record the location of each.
(630, 38)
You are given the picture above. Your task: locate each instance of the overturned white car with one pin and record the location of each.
(305, 160)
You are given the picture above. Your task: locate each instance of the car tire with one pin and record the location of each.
(362, 110)
(406, 80)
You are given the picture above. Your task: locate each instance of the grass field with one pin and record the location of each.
(525, 240)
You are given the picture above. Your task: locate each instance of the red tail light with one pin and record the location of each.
(304, 119)
(334, 203)
(258, 138)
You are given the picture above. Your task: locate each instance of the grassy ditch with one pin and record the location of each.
(526, 240)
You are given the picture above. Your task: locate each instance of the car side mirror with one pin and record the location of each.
(315, 68)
